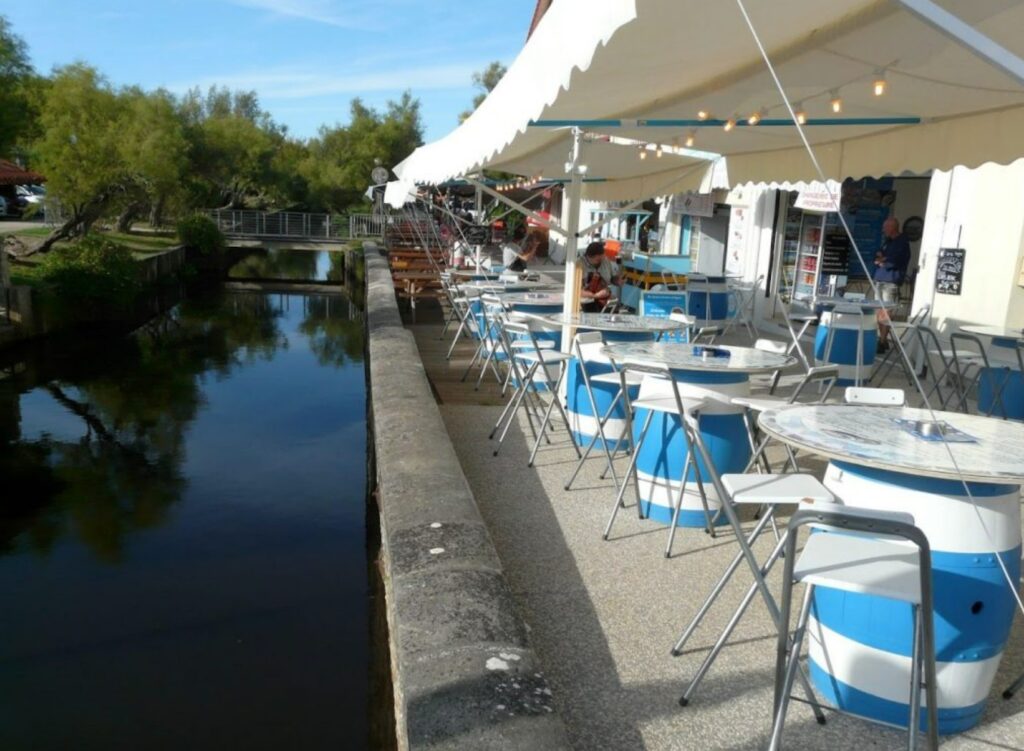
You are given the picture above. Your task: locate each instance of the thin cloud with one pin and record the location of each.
(292, 83)
(349, 15)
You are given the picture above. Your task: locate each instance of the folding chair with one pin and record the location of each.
(771, 491)
(963, 360)
(742, 307)
(659, 393)
(587, 346)
(854, 550)
(875, 397)
(933, 349)
(804, 319)
(904, 331)
(539, 364)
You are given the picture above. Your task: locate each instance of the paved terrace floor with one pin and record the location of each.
(604, 615)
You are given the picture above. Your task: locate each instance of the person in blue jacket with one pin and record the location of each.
(891, 264)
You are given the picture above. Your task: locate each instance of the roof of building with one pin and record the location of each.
(12, 174)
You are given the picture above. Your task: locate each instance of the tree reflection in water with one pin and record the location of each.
(128, 401)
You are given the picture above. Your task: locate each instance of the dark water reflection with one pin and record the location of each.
(182, 538)
(282, 264)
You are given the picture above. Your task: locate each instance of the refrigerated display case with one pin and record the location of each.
(790, 247)
(808, 257)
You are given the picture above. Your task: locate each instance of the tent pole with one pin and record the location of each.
(573, 194)
(988, 50)
(517, 206)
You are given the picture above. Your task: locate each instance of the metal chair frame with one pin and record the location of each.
(871, 523)
(997, 388)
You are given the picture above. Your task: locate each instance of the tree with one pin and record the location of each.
(154, 151)
(16, 77)
(485, 80)
(341, 158)
(80, 149)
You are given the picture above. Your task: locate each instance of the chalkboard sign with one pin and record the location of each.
(949, 273)
(479, 234)
(835, 253)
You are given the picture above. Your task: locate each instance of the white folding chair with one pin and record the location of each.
(874, 396)
(587, 346)
(860, 550)
(771, 491)
(659, 393)
(793, 317)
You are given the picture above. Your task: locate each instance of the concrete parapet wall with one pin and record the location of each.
(464, 674)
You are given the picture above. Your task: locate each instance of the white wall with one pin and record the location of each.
(982, 211)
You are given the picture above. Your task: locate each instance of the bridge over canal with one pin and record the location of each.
(296, 226)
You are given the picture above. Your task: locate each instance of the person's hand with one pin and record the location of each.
(603, 294)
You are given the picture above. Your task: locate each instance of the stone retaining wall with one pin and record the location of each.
(464, 674)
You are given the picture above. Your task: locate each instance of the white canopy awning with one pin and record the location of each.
(644, 69)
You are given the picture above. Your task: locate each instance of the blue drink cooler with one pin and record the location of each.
(848, 327)
(860, 645)
(707, 300)
(578, 406)
(659, 465)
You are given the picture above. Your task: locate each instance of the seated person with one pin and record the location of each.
(598, 275)
(515, 254)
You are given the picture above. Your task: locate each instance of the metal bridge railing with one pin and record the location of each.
(367, 225)
(280, 224)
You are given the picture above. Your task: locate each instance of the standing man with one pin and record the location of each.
(598, 275)
(890, 270)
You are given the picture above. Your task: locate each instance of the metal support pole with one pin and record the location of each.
(967, 36)
(573, 195)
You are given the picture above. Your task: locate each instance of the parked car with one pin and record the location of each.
(3, 207)
(28, 194)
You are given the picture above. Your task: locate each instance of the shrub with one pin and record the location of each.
(201, 233)
(94, 272)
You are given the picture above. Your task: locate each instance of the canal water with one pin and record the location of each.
(183, 544)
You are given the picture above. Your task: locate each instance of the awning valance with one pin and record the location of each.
(664, 71)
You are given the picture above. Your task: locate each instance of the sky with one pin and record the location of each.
(305, 58)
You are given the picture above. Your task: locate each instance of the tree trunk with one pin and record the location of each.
(156, 212)
(127, 217)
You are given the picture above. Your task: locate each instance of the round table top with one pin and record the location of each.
(680, 356)
(497, 287)
(832, 302)
(985, 449)
(615, 322)
(534, 298)
(996, 332)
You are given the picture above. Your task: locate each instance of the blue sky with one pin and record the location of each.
(306, 58)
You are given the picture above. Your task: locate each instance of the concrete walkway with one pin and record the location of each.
(604, 615)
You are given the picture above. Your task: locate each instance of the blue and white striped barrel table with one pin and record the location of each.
(659, 466)
(613, 328)
(848, 327)
(707, 297)
(860, 645)
(1004, 377)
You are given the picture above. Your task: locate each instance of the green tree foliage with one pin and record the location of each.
(93, 273)
(337, 169)
(485, 80)
(16, 80)
(202, 233)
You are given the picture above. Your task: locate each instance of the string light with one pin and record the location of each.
(691, 138)
(729, 124)
(703, 114)
(657, 152)
(643, 151)
(880, 84)
(801, 115)
(755, 118)
(836, 102)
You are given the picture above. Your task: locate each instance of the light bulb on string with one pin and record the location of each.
(729, 124)
(703, 114)
(835, 102)
(754, 118)
(657, 152)
(880, 84)
(801, 115)
(643, 151)
(691, 138)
